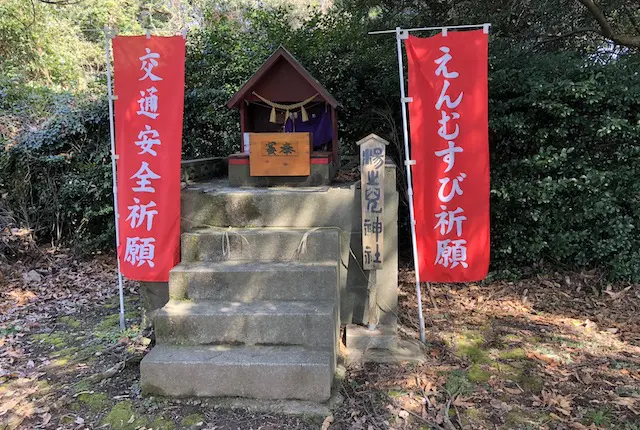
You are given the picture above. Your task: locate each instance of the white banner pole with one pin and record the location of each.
(108, 35)
(401, 35)
(485, 26)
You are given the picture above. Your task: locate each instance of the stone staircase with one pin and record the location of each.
(253, 312)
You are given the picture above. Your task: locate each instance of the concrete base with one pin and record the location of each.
(248, 281)
(321, 174)
(261, 244)
(405, 350)
(263, 328)
(359, 337)
(314, 410)
(381, 345)
(154, 296)
(203, 169)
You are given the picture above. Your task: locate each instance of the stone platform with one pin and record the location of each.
(267, 276)
(308, 209)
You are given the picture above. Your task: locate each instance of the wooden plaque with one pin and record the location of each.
(280, 154)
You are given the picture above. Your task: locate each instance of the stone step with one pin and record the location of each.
(186, 322)
(260, 372)
(216, 204)
(249, 281)
(260, 244)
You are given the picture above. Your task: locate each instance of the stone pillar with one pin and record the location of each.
(154, 295)
(353, 280)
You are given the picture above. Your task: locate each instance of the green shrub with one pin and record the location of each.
(564, 131)
(564, 151)
(57, 178)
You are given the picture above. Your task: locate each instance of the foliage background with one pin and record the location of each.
(564, 111)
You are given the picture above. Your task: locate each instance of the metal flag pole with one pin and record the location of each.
(108, 36)
(408, 30)
(400, 35)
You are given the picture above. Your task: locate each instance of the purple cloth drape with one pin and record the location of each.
(319, 125)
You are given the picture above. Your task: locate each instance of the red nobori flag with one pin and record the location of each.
(450, 144)
(149, 85)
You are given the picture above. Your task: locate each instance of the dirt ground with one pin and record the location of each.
(559, 351)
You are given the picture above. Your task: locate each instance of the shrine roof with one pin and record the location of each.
(281, 54)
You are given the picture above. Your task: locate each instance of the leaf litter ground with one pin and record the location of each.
(559, 351)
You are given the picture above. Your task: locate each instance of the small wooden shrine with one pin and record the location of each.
(289, 127)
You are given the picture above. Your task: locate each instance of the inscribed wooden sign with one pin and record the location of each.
(279, 154)
(372, 161)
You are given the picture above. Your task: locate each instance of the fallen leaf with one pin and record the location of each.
(463, 402)
(629, 402)
(551, 399)
(578, 426)
(327, 422)
(429, 388)
(500, 405)
(616, 295)
(557, 417)
(542, 357)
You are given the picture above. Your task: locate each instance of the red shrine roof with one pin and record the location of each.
(282, 79)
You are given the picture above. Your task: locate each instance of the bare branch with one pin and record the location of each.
(551, 38)
(605, 28)
(33, 9)
(595, 11)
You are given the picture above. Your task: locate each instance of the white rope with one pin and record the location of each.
(302, 246)
(226, 245)
(226, 242)
(243, 239)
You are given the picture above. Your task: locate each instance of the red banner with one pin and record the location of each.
(149, 86)
(450, 144)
